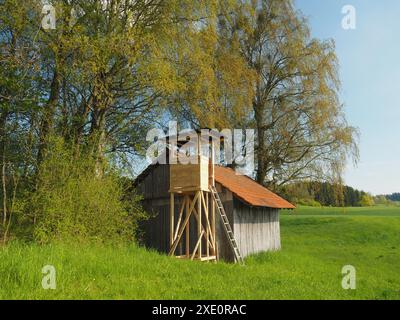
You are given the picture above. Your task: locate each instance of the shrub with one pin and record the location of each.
(71, 202)
(366, 201)
(309, 202)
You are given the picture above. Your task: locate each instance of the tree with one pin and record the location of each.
(302, 132)
(18, 102)
(394, 197)
(108, 72)
(216, 82)
(366, 201)
(324, 193)
(381, 199)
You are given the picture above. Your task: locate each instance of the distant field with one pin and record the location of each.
(316, 244)
(353, 211)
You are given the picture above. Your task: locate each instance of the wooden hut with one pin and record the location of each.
(208, 212)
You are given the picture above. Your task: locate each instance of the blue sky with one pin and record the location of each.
(370, 73)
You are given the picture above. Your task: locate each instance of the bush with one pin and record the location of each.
(309, 202)
(73, 203)
(366, 201)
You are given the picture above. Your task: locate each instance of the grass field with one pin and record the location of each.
(316, 244)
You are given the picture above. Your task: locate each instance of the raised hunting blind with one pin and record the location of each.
(207, 212)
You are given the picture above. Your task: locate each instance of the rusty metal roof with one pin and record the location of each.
(248, 190)
(243, 187)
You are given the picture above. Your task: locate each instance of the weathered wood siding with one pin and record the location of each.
(224, 249)
(155, 231)
(256, 229)
(154, 188)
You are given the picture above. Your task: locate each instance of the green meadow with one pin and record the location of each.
(316, 244)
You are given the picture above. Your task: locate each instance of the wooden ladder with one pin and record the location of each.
(227, 226)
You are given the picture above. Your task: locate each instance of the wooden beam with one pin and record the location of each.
(208, 258)
(212, 161)
(212, 174)
(187, 227)
(208, 224)
(171, 219)
(199, 225)
(176, 242)
(180, 218)
(198, 244)
(213, 251)
(202, 227)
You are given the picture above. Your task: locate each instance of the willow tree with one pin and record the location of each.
(302, 131)
(215, 80)
(118, 65)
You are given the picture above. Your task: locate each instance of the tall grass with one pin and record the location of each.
(315, 248)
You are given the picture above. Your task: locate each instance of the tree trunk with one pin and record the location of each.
(48, 116)
(3, 179)
(261, 150)
(100, 103)
(98, 140)
(3, 121)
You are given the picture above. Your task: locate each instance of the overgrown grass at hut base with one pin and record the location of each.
(316, 244)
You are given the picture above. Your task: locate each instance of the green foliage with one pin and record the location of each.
(309, 202)
(325, 193)
(366, 201)
(394, 196)
(72, 203)
(302, 131)
(381, 200)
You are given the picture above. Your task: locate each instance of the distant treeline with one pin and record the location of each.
(393, 197)
(316, 193)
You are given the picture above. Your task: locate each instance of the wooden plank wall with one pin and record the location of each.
(155, 231)
(223, 246)
(156, 184)
(154, 189)
(256, 229)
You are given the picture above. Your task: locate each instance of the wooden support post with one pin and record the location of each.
(212, 160)
(202, 227)
(171, 217)
(187, 227)
(199, 225)
(178, 239)
(180, 218)
(214, 248)
(207, 227)
(198, 244)
(212, 218)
